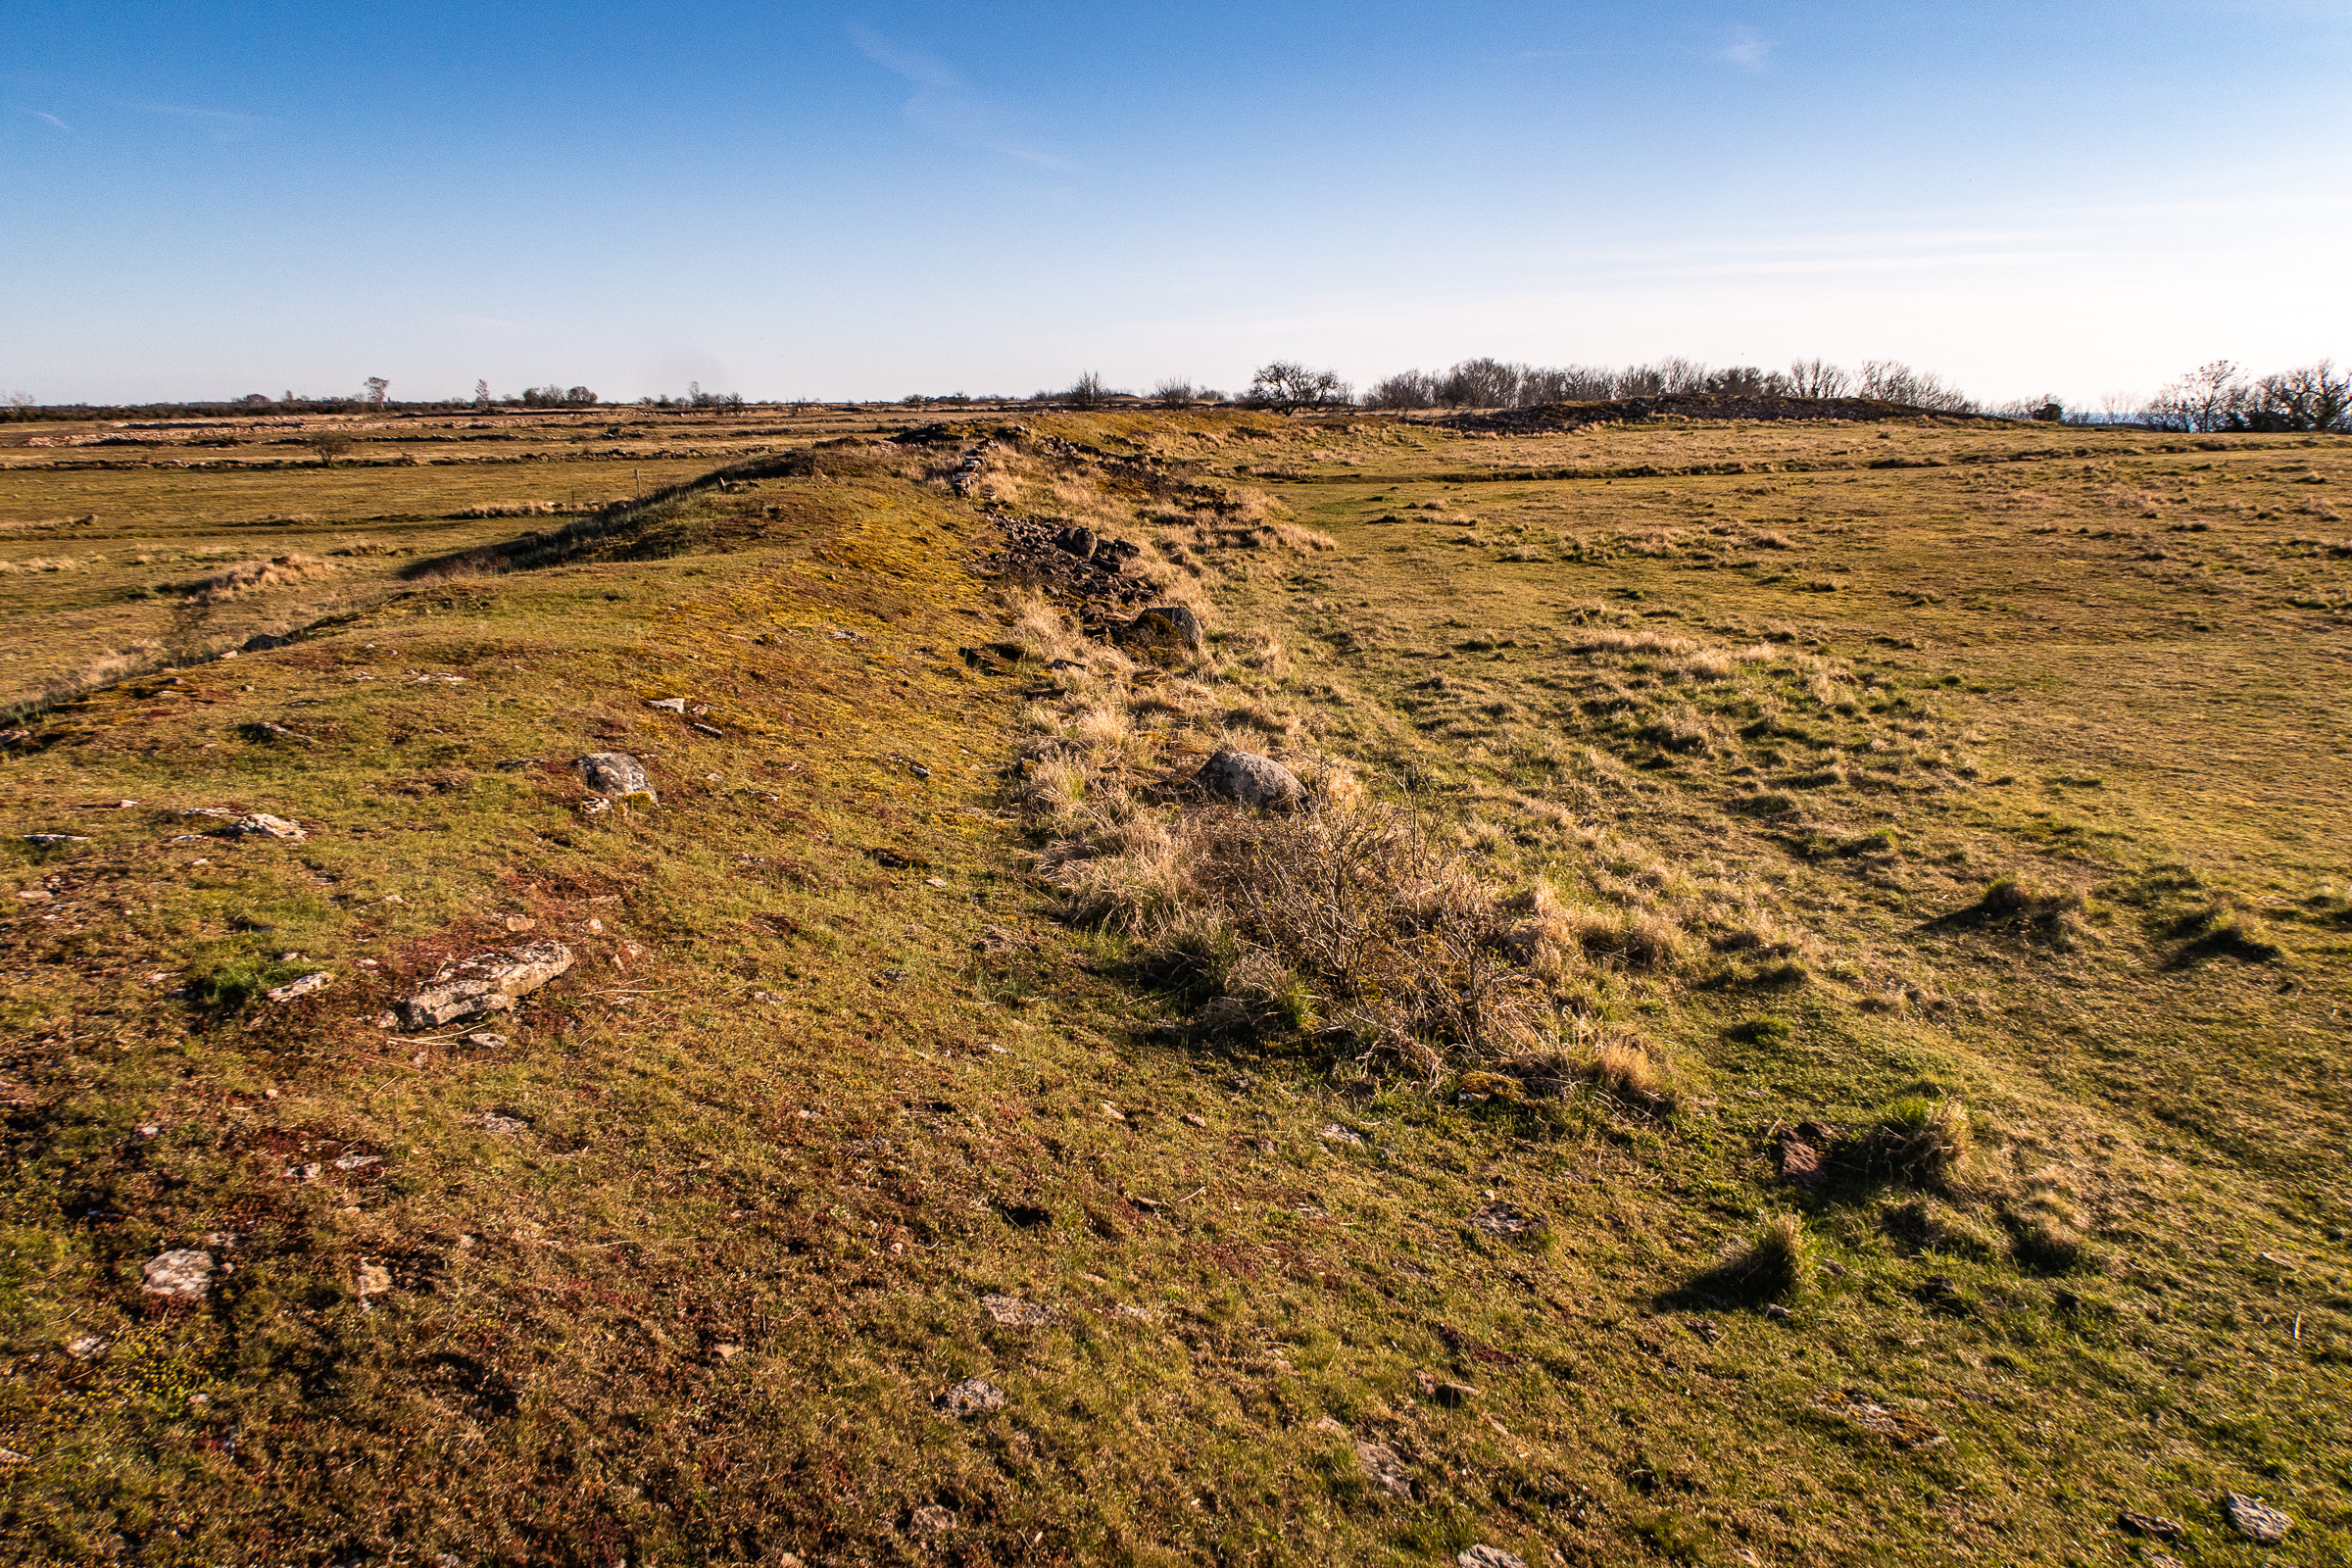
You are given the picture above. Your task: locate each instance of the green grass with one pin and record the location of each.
(831, 1068)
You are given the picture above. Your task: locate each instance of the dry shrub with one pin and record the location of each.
(253, 576)
(42, 563)
(1778, 1262)
(1918, 1139)
(510, 509)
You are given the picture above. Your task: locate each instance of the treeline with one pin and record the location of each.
(2219, 396)
(1486, 383)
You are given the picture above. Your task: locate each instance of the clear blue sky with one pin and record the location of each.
(201, 199)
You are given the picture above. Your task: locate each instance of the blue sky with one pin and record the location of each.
(201, 200)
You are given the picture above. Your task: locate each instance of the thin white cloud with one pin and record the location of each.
(218, 116)
(1748, 50)
(947, 106)
(40, 113)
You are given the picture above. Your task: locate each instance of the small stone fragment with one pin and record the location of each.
(1485, 1557)
(1503, 1219)
(516, 922)
(667, 704)
(302, 987)
(1337, 1134)
(82, 1347)
(373, 1279)
(931, 1520)
(485, 1039)
(491, 1121)
(2154, 1526)
(1802, 1164)
(261, 824)
(616, 774)
(2256, 1520)
(1384, 1469)
(359, 1162)
(1251, 780)
(1111, 1112)
(972, 1396)
(183, 1274)
(1014, 1312)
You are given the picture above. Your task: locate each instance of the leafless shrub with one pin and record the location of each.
(252, 577)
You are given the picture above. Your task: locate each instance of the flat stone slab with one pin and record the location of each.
(488, 982)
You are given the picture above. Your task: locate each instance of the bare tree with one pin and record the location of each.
(377, 386)
(1817, 378)
(1177, 392)
(1406, 389)
(1894, 381)
(481, 394)
(1286, 384)
(1088, 391)
(2208, 398)
(329, 444)
(2316, 397)
(1482, 383)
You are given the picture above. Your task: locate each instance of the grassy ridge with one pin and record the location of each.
(834, 1115)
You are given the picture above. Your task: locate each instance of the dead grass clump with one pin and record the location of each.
(1346, 917)
(510, 509)
(2053, 918)
(252, 577)
(2224, 930)
(1918, 1139)
(1778, 1262)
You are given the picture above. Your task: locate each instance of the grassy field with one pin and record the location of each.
(1960, 805)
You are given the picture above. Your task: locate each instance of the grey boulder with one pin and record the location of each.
(488, 982)
(1252, 780)
(181, 1275)
(261, 825)
(617, 775)
(1166, 629)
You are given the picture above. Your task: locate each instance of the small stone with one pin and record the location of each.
(148, 1129)
(359, 1162)
(972, 1396)
(1777, 1313)
(1191, 1120)
(1079, 542)
(85, 1345)
(484, 1039)
(1802, 1164)
(374, 1278)
(2154, 1526)
(1111, 1112)
(261, 824)
(1013, 1312)
(1337, 1134)
(516, 922)
(726, 1353)
(931, 1520)
(11, 1458)
(1503, 1219)
(302, 987)
(667, 704)
(1251, 780)
(488, 982)
(1484, 1556)
(491, 1121)
(2256, 1520)
(616, 774)
(183, 1274)
(1382, 1467)
(55, 838)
